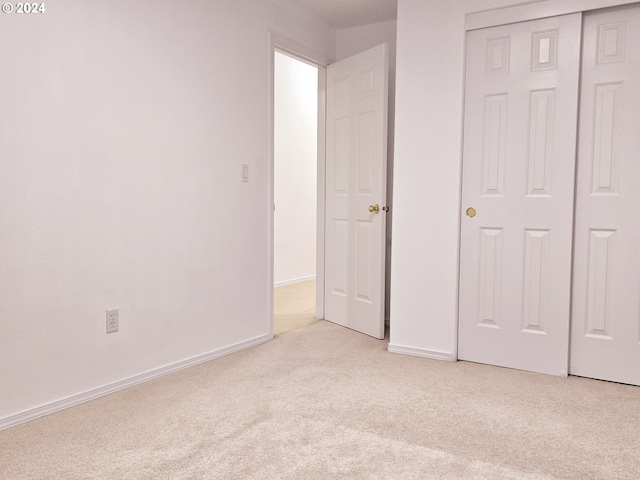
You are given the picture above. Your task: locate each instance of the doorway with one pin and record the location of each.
(295, 191)
(351, 146)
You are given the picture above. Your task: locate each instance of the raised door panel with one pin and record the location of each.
(495, 144)
(541, 132)
(535, 293)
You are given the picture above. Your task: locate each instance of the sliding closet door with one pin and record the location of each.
(605, 339)
(518, 191)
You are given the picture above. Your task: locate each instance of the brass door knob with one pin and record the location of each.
(374, 208)
(471, 212)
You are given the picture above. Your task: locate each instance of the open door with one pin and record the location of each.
(356, 179)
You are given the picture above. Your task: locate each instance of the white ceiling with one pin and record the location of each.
(351, 13)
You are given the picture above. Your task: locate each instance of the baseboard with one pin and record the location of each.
(421, 352)
(293, 281)
(73, 400)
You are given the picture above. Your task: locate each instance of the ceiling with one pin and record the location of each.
(351, 13)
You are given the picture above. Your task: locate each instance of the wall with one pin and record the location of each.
(296, 163)
(355, 40)
(428, 156)
(123, 129)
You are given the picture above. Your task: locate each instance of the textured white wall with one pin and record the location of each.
(123, 129)
(296, 163)
(428, 159)
(355, 40)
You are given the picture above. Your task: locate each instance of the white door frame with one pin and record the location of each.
(278, 43)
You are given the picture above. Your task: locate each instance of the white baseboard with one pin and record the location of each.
(421, 352)
(293, 281)
(73, 400)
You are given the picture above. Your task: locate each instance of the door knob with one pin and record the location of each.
(471, 212)
(374, 208)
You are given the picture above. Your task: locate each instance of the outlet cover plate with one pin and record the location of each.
(113, 321)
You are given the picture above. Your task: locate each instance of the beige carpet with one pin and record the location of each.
(294, 306)
(324, 402)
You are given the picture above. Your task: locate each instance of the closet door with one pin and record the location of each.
(518, 191)
(605, 338)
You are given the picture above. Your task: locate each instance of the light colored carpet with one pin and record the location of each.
(294, 306)
(324, 402)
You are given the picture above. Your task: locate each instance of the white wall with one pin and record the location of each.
(358, 39)
(355, 40)
(428, 151)
(296, 163)
(123, 128)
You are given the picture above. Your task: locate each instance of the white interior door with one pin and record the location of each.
(605, 339)
(356, 166)
(518, 178)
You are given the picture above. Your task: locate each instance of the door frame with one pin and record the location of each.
(284, 45)
(535, 11)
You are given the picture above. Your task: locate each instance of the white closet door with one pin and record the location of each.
(605, 339)
(518, 177)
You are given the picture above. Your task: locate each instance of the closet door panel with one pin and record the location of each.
(605, 332)
(518, 190)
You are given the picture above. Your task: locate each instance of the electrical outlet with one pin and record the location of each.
(113, 321)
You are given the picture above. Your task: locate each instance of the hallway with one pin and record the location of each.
(294, 306)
